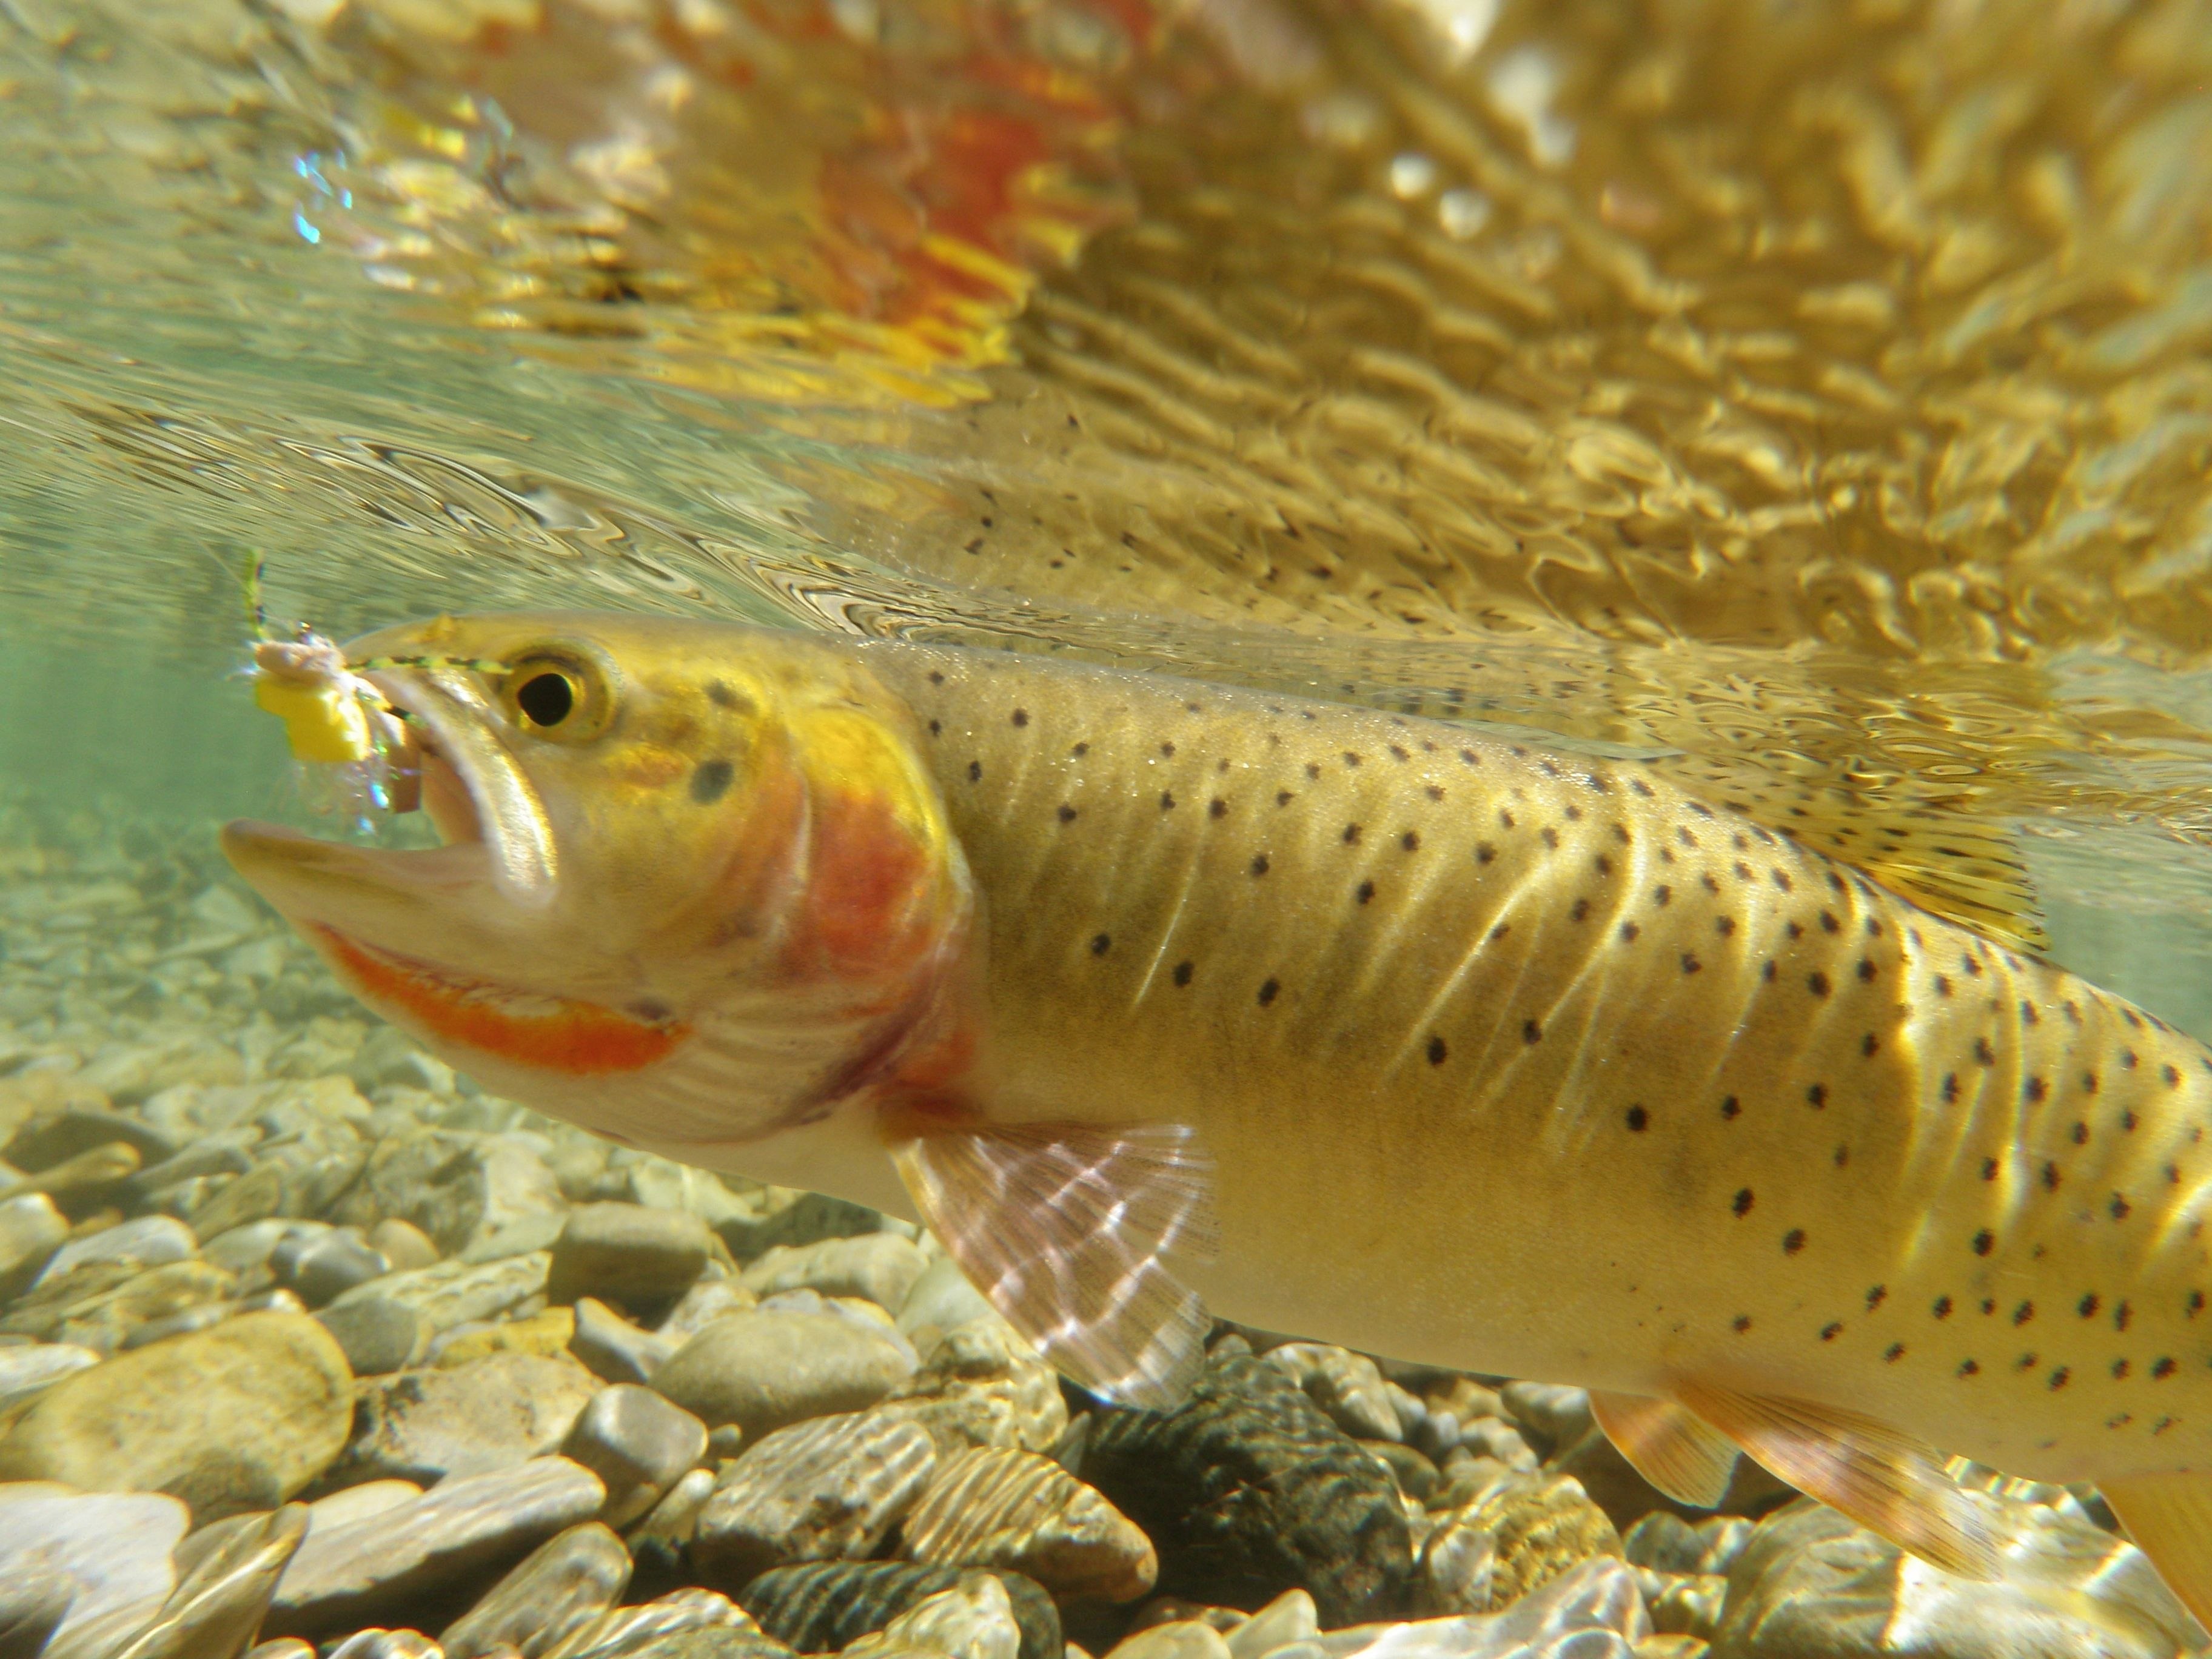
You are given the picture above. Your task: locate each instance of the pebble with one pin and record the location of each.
(1347, 1385)
(973, 1619)
(660, 1544)
(1808, 1581)
(993, 1507)
(321, 1268)
(1664, 1543)
(151, 1241)
(99, 1303)
(425, 1426)
(701, 1306)
(1458, 1568)
(560, 1587)
(240, 1416)
(1291, 1617)
(879, 1268)
(1248, 1490)
(1176, 1639)
(453, 1293)
(31, 1367)
(57, 1137)
(240, 1249)
(763, 1369)
(686, 1624)
(609, 1346)
(378, 1335)
(218, 1605)
(827, 1489)
(940, 1299)
(467, 1529)
(457, 1188)
(109, 1553)
(638, 1443)
(387, 1645)
(403, 1244)
(544, 1334)
(627, 1254)
(821, 1607)
(982, 1384)
(1543, 1524)
(31, 1230)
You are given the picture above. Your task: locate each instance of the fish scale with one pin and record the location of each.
(1609, 1085)
(1459, 1050)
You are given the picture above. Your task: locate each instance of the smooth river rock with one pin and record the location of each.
(561, 1587)
(627, 1254)
(425, 1426)
(639, 1443)
(763, 1369)
(828, 1489)
(993, 1507)
(97, 1563)
(464, 1530)
(240, 1416)
(882, 1268)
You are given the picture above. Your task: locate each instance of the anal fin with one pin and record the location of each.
(1668, 1446)
(2170, 1518)
(1069, 1228)
(1885, 1480)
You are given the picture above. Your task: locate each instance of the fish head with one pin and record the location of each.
(696, 886)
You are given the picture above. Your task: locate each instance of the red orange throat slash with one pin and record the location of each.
(553, 1034)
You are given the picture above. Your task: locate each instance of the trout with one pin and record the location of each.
(1156, 1000)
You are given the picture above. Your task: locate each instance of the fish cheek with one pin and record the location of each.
(757, 854)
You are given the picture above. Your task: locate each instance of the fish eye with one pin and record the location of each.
(555, 695)
(547, 698)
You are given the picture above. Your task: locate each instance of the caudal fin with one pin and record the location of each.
(2170, 1518)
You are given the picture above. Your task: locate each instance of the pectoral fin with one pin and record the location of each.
(1069, 1228)
(1667, 1446)
(1886, 1481)
(2170, 1518)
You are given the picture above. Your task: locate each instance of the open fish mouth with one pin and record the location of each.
(487, 815)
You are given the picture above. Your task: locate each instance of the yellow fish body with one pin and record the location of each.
(1147, 994)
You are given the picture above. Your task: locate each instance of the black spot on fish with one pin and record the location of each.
(2079, 1135)
(2120, 1207)
(1984, 1055)
(722, 697)
(1869, 1044)
(1943, 1310)
(1468, 757)
(1505, 818)
(1398, 753)
(2058, 1377)
(1988, 1169)
(1942, 986)
(1268, 992)
(1842, 1157)
(1740, 1323)
(975, 771)
(1484, 851)
(1816, 1097)
(1066, 813)
(1817, 983)
(1411, 840)
(2129, 1060)
(1350, 835)
(1969, 1368)
(1080, 749)
(2172, 1078)
(1661, 894)
(1436, 1051)
(1531, 1032)
(1284, 798)
(1875, 1297)
(1217, 808)
(1831, 1331)
(1550, 838)
(2128, 1120)
(2035, 1090)
(2027, 1362)
(1983, 1241)
(1793, 1241)
(1167, 801)
(1579, 911)
(1638, 1119)
(2049, 1177)
(2088, 1306)
(1101, 944)
(2120, 1369)
(1867, 969)
(1628, 932)
(1434, 792)
(1830, 925)
(1364, 892)
(2162, 1368)
(1351, 759)
(710, 780)
(2023, 1313)
(1950, 1085)
(1743, 1202)
(2196, 1304)
(1183, 971)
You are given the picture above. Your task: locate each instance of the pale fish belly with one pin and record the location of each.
(1532, 1065)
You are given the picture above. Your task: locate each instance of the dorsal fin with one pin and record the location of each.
(1966, 869)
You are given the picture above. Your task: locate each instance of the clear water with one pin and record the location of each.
(1821, 388)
